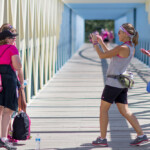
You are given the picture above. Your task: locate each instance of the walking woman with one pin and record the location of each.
(9, 63)
(114, 91)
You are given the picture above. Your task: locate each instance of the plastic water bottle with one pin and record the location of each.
(25, 82)
(37, 142)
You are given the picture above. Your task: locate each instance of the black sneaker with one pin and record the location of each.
(139, 140)
(7, 145)
(100, 142)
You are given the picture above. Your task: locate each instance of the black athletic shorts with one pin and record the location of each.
(112, 94)
(106, 40)
(8, 96)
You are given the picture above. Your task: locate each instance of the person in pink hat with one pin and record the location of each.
(9, 63)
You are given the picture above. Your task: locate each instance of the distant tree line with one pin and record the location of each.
(93, 25)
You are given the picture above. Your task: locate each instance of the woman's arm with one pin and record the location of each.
(101, 42)
(146, 52)
(122, 50)
(16, 63)
(107, 54)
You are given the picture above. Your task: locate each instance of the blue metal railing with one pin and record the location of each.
(142, 57)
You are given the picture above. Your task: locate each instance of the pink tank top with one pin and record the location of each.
(5, 59)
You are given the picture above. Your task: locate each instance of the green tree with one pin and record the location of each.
(93, 25)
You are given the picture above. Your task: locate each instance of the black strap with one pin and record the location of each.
(113, 76)
(4, 51)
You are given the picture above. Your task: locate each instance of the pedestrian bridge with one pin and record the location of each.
(65, 75)
(51, 31)
(66, 111)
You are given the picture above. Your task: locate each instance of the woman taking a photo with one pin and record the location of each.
(114, 91)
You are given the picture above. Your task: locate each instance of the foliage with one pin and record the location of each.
(93, 25)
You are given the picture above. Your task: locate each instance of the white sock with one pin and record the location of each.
(4, 139)
(141, 136)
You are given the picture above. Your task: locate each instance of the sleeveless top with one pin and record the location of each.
(118, 65)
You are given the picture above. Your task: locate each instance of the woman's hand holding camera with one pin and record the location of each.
(99, 38)
(96, 38)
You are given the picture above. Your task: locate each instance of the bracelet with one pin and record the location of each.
(95, 43)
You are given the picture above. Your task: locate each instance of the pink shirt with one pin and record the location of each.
(5, 59)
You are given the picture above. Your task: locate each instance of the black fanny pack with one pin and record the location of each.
(125, 79)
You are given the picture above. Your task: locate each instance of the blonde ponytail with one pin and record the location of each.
(135, 38)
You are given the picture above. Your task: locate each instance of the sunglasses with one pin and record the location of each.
(119, 32)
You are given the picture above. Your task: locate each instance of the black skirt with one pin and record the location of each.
(8, 96)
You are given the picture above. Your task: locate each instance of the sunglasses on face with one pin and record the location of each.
(119, 32)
